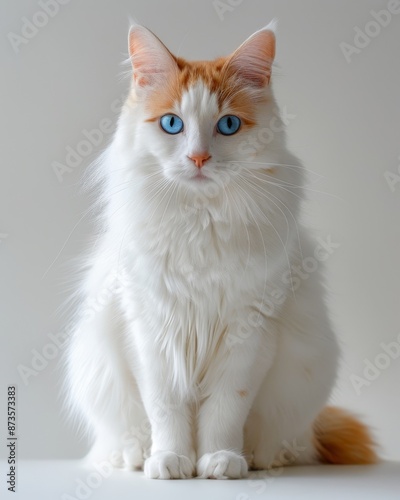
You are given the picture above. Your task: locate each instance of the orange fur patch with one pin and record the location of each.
(243, 393)
(219, 80)
(342, 439)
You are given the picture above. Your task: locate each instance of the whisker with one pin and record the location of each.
(265, 250)
(264, 193)
(167, 186)
(87, 212)
(283, 185)
(247, 231)
(174, 190)
(269, 222)
(268, 194)
(272, 164)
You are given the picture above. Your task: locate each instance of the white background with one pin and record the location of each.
(346, 130)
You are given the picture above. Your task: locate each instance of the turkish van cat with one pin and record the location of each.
(211, 356)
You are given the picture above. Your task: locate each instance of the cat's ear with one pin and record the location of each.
(252, 61)
(151, 61)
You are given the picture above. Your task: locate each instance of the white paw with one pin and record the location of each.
(127, 457)
(222, 464)
(168, 465)
(133, 457)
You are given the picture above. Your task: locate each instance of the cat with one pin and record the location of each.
(194, 353)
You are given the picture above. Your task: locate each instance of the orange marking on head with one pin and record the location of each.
(243, 393)
(217, 77)
(237, 81)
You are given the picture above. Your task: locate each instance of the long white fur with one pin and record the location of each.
(184, 363)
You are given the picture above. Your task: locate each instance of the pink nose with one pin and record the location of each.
(200, 158)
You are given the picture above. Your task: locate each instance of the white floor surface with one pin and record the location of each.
(68, 480)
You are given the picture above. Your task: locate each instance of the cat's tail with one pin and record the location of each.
(340, 438)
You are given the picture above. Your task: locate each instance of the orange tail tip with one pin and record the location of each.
(342, 439)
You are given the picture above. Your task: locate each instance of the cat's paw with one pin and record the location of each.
(168, 465)
(222, 464)
(133, 457)
(129, 457)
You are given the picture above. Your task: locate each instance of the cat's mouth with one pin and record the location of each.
(200, 177)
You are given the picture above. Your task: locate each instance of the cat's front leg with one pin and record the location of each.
(224, 412)
(172, 452)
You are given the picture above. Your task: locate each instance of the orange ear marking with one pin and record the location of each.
(233, 79)
(151, 61)
(252, 61)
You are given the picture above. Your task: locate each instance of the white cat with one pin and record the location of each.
(205, 359)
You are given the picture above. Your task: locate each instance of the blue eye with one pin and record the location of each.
(228, 125)
(171, 124)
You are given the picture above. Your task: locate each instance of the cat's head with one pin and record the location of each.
(200, 119)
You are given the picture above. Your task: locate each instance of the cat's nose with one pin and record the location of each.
(200, 158)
